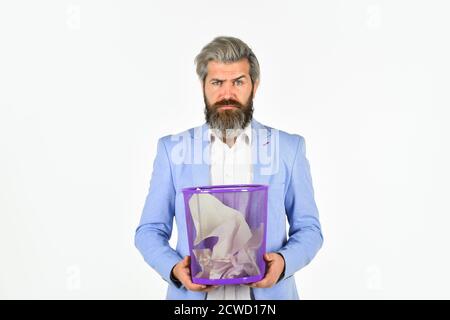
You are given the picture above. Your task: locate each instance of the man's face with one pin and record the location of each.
(228, 93)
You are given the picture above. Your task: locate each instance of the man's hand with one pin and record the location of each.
(182, 272)
(275, 266)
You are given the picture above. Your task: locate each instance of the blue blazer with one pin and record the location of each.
(279, 160)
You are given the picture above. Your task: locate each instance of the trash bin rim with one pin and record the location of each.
(226, 188)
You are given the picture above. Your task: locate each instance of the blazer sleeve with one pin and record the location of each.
(305, 235)
(155, 227)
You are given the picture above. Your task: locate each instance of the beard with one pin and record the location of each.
(228, 123)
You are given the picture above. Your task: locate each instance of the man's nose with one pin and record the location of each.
(228, 91)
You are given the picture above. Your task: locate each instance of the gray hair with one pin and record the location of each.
(226, 50)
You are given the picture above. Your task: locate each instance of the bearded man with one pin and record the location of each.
(231, 148)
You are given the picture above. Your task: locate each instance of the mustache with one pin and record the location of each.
(228, 102)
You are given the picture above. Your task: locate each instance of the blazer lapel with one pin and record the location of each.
(200, 156)
(260, 143)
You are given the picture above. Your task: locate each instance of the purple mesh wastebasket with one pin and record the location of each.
(226, 226)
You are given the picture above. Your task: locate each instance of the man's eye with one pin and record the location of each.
(215, 83)
(238, 82)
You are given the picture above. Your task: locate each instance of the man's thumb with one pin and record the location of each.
(269, 256)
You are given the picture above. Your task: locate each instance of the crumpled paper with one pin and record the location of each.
(234, 254)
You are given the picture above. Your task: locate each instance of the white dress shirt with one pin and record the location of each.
(231, 166)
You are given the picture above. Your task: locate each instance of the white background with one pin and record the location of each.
(87, 88)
